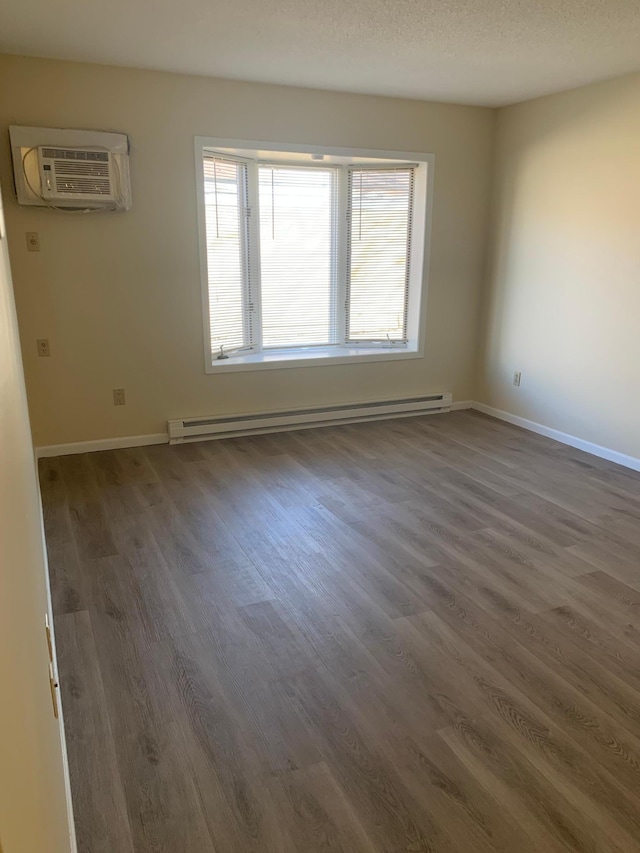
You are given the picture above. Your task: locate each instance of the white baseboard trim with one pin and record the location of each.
(563, 437)
(140, 440)
(627, 461)
(101, 444)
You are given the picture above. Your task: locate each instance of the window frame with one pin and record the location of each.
(351, 352)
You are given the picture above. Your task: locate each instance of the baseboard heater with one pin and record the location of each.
(229, 426)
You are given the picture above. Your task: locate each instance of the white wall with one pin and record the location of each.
(33, 817)
(119, 295)
(563, 291)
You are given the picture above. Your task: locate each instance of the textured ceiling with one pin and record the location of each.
(489, 52)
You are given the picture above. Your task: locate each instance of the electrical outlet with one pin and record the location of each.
(33, 241)
(118, 397)
(43, 347)
(517, 376)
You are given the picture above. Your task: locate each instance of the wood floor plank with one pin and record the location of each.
(99, 801)
(584, 722)
(372, 784)
(318, 812)
(474, 816)
(411, 635)
(590, 792)
(164, 809)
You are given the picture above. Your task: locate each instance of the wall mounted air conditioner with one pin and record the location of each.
(79, 174)
(61, 169)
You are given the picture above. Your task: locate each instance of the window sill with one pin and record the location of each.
(312, 357)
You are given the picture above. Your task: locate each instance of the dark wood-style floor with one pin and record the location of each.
(415, 635)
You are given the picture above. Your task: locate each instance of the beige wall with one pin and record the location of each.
(33, 815)
(563, 297)
(119, 295)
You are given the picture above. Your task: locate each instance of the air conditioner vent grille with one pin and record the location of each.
(75, 154)
(70, 168)
(90, 186)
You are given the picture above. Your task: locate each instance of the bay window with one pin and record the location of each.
(310, 258)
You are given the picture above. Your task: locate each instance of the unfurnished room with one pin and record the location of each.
(320, 427)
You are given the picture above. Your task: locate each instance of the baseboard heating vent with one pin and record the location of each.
(228, 426)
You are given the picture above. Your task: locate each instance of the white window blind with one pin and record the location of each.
(225, 203)
(297, 255)
(379, 220)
